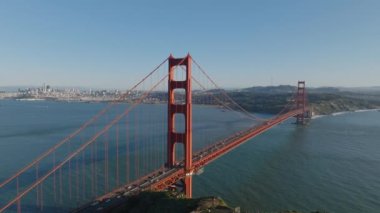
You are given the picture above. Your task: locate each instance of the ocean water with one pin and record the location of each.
(332, 164)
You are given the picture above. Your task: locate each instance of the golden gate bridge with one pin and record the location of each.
(149, 138)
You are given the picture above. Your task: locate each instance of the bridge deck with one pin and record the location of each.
(163, 178)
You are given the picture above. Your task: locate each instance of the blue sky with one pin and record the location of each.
(111, 44)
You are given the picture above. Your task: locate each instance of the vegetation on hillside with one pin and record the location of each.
(330, 103)
(163, 202)
(321, 103)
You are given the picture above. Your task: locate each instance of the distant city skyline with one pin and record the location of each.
(98, 44)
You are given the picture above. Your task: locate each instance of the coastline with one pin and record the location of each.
(355, 111)
(345, 112)
(316, 115)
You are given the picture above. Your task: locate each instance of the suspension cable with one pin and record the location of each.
(80, 129)
(225, 93)
(234, 102)
(82, 147)
(221, 102)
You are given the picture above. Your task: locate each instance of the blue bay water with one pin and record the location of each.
(332, 164)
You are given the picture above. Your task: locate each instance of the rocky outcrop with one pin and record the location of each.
(164, 202)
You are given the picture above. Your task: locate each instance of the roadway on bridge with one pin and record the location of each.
(163, 178)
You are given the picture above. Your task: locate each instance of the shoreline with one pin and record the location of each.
(316, 116)
(345, 112)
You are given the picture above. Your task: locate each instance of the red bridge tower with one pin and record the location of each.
(301, 102)
(174, 109)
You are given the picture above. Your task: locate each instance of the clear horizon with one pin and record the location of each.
(259, 43)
